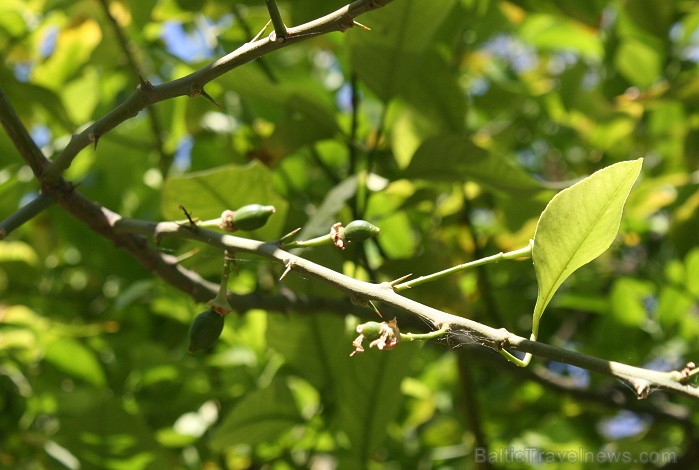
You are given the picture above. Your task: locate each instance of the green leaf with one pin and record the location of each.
(577, 226)
(549, 32)
(391, 53)
(76, 360)
(207, 193)
(369, 398)
(74, 46)
(323, 218)
(627, 301)
(312, 346)
(100, 433)
(261, 416)
(364, 390)
(18, 252)
(451, 157)
(640, 61)
(435, 94)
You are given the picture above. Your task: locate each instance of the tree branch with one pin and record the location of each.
(643, 381)
(193, 84)
(276, 17)
(26, 213)
(612, 397)
(20, 137)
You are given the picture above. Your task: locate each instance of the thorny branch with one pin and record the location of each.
(128, 233)
(642, 381)
(193, 84)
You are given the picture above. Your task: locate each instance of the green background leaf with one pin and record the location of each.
(388, 55)
(260, 416)
(207, 193)
(460, 160)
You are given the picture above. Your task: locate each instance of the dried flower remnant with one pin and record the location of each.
(384, 335)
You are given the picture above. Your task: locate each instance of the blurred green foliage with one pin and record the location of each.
(449, 125)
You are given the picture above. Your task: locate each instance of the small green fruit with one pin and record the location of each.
(360, 230)
(251, 217)
(205, 330)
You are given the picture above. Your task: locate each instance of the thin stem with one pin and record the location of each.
(220, 304)
(524, 362)
(484, 286)
(276, 17)
(471, 407)
(352, 139)
(520, 253)
(425, 336)
(317, 241)
(261, 62)
(26, 213)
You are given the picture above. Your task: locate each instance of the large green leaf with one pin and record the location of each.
(549, 32)
(207, 193)
(640, 60)
(577, 226)
(369, 398)
(363, 390)
(261, 416)
(321, 220)
(434, 92)
(314, 346)
(78, 361)
(388, 55)
(100, 433)
(453, 157)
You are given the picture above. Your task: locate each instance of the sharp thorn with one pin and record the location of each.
(400, 279)
(375, 309)
(208, 97)
(357, 23)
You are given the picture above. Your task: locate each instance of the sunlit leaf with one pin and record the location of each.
(639, 61)
(577, 226)
(206, 194)
(323, 218)
(18, 252)
(388, 55)
(629, 301)
(73, 47)
(75, 359)
(455, 158)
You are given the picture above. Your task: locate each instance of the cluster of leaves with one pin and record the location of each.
(449, 125)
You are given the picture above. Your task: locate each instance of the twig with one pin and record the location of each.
(193, 84)
(21, 138)
(520, 253)
(612, 397)
(261, 62)
(472, 411)
(276, 17)
(26, 213)
(643, 381)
